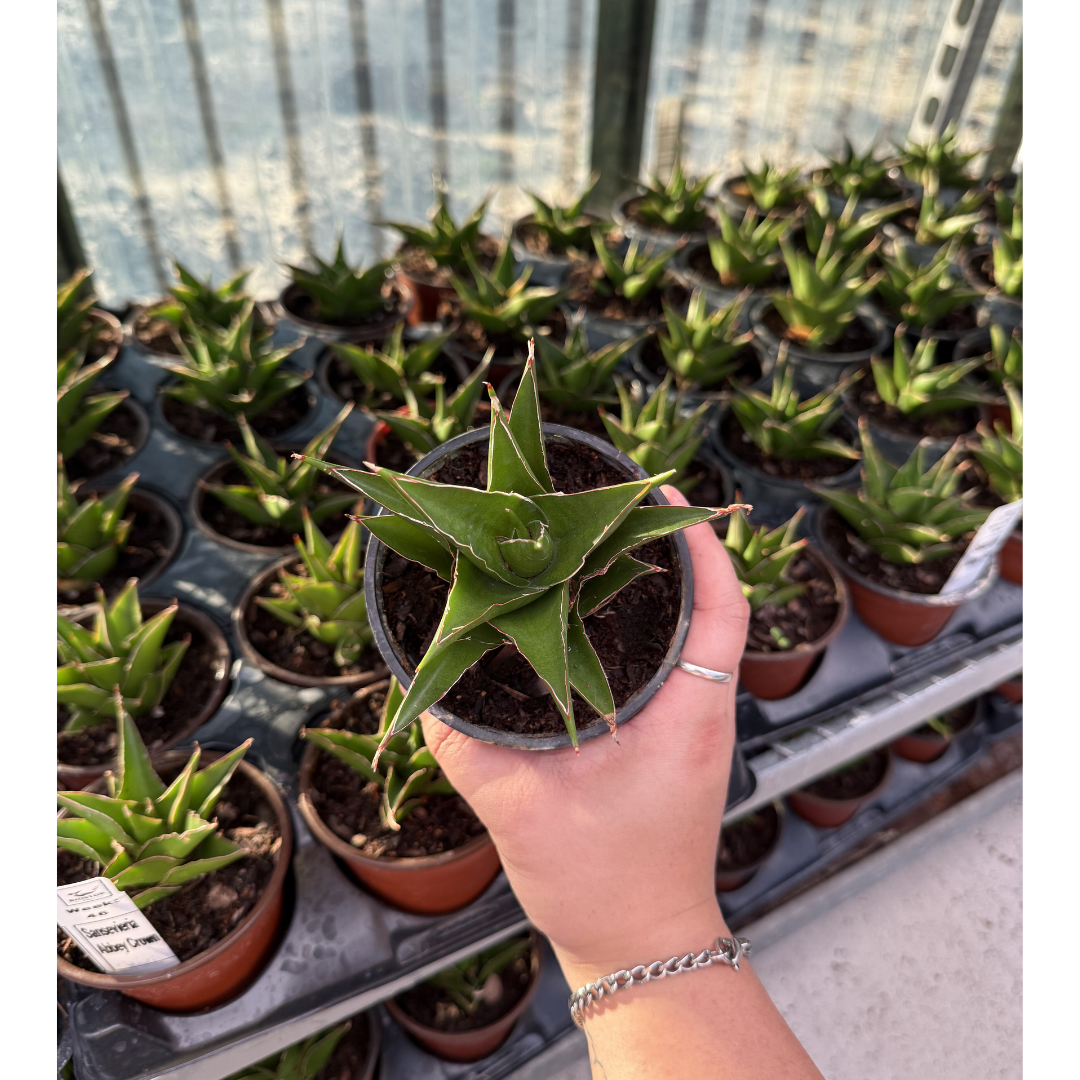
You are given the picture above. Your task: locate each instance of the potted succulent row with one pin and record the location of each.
(553, 237)
(349, 1051)
(661, 215)
(931, 739)
(1002, 357)
(837, 796)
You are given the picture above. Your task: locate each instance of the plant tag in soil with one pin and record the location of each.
(990, 538)
(105, 923)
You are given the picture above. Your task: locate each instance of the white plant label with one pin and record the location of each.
(992, 534)
(105, 923)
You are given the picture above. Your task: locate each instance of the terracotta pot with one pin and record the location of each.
(904, 618)
(73, 777)
(226, 969)
(379, 326)
(426, 298)
(249, 652)
(731, 878)
(1012, 558)
(470, 1045)
(924, 747)
(829, 813)
(1012, 690)
(771, 676)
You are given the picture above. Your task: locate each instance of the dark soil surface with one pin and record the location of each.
(207, 426)
(539, 243)
(434, 1008)
(200, 913)
(109, 447)
(924, 578)
(108, 339)
(700, 262)
(298, 301)
(421, 267)
(296, 650)
(746, 841)
(582, 421)
(392, 453)
(581, 282)
(743, 447)
(349, 388)
(188, 693)
(350, 1055)
(146, 548)
(959, 320)
(631, 634)
(804, 619)
(858, 336)
(853, 780)
(748, 371)
(632, 209)
(470, 335)
(940, 426)
(956, 720)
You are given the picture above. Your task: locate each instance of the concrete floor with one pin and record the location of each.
(906, 965)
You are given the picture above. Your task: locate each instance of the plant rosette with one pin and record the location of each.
(295, 305)
(349, 1051)
(930, 740)
(223, 927)
(429, 282)
(745, 845)
(153, 337)
(470, 342)
(692, 268)
(736, 196)
(977, 343)
(755, 369)
(838, 796)
(114, 445)
(436, 1021)
(439, 859)
(624, 212)
(193, 697)
(531, 248)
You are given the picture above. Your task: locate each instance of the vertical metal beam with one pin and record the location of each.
(107, 60)
(365, 107)
(69, 250)
(506, 22)
(623, 50)
(572, 92)
(197, 59)
(1009, 130)
(755, 31)
(433, 11)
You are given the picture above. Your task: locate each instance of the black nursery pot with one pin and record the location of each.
(376, 557)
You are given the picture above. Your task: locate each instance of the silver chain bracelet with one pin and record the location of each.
(728, 951)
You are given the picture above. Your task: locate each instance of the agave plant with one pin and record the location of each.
(917, 387)
(525, 564)
(677, 205)
(77, 415)
(1006, 358)
(74, 327)
(850, 232)
(476, 980)
(940, 222)
(772, 187)
(1006, 203)
(747, 253)
(1001, 451)
(636, 276)
(150, 838)
(386, 372)
(787, 428)
(573, 377)
(230, 371)
(121, 652)
(301, 1061)
(406, 770)
(1009, 254)
(701, 349)
(864, 175)
(342, 293)
(201, 303)
(565, 228)
(89, 534)
(922, 295)
(279, 488)
(327, 602)
(445, 242)
(761, 559)
(940, 160)
(911, 514)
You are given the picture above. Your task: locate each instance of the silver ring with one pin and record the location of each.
(703, 672)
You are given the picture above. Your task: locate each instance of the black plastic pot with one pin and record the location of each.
(717, 394)
(736, 203)
(599, 331)
(266, 314)
(717, 295)
(371, 330)
(546, 269)
(645, 235)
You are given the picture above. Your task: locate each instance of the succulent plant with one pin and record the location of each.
(502, 302)
(772, 187)
(747, 253)
(573, 377)
(77, 415)
(909, 514)
(849, 232)
(787, 428)
(565, 227)
(824, 292)
(327, 602)
(148, 838)
(301, 1061)
(917, 387)
(121, 652)
(476, 980)
(278, 487)
(939, 160)
(230, 371)
(1006, 357)
(406, 769)
(444, 241)
(677, 205)
(863, 175)
(74, 327)
(90, 533)
(939, 222)
(200, 302)
(1001, 451)
(635, 276)
(1006, 202)
(1009, 255)
(701, 349)
(659, 434)
(386, 372)
(342, 293)
(525, 564)
(920, 294)
(761, 558)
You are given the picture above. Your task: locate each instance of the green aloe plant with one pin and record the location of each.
(850, 232)
(406, 769)
(678, 205)
(863, 175)
(701, 349)
(78, 415)
(940, 160)
(573, 377)
(231, 371)
(525, 564)
(444, 241)
(200, 302)
(1006, 357)
(386, 372)
(635, 276)
(747, 253)
(940, 222)
(328, 601)
(301, 1061)
(772, 187)
(475, 980)
(279, 488)
(1001, 451)
(343, 293)
(920, 294)
(150, 838)
(783, 426)
(74, 327)
(90, 533)
(1009, 254)
(568, 227)
(121, 652)
(909, 514)
(917, 387)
